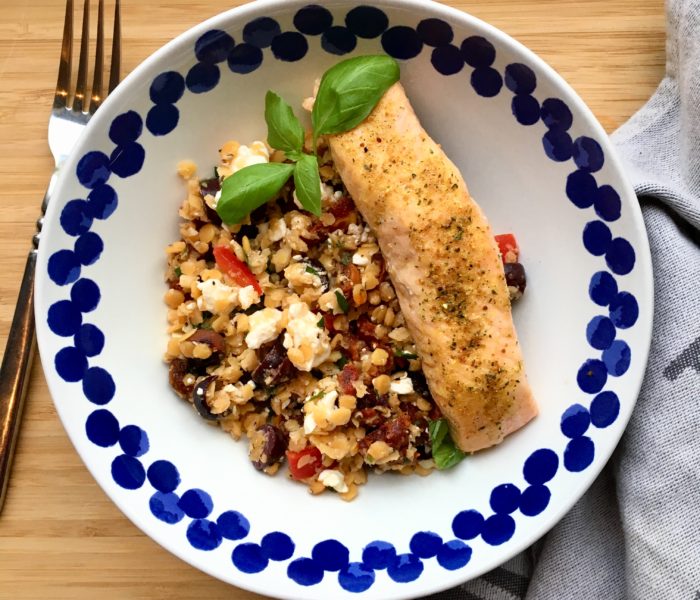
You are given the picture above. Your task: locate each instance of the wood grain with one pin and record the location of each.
(60, 537)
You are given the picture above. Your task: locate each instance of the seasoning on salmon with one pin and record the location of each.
(446, 268)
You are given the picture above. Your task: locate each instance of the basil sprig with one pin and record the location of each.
(445, 452)
(252, 186)
(347, 94)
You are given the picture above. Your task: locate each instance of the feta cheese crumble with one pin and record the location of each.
(333, 479)
(247, 296)
(277, 230)
(404, 385)
(255, 154)
(360, 260)
(265, 326)
(322, 408)
(217, 297)
(307, 344)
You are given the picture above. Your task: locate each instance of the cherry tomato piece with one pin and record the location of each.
(305, 463)
(235, 268)
(508, 246)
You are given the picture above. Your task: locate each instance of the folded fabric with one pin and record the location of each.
(636, 533)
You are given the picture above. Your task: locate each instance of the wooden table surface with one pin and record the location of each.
(60, 537)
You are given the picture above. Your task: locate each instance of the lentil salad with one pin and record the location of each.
(286, 329)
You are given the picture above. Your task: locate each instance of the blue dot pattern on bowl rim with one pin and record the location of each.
(216, 51)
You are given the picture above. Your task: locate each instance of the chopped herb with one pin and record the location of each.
(404, 354)
(204, 325)
(341, 362)
(369, 459)
(178, 271)
(316, 395)
(310, 269)
(320, 323)
(345, 258)
(342, 302)
(445, 452)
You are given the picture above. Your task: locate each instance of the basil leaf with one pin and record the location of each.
(249, 188)
(284, 131)
(438, 430)
(445, 452)
(401, 353)
(350, 90)
(321, 323)
(341, 362)
(342, 301)
(308, 183)
(447, 456)
(310, 269)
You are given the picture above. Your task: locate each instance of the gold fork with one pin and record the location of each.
(70, 113)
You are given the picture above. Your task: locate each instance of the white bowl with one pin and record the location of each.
(533, 156)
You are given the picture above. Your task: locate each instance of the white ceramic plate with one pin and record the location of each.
(532, 155)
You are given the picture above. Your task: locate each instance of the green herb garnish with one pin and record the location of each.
(341, 362)
(445, 452)
(284, 131)
(345, 258)
(347, 94)
(342, 302)
(349, 91)
(249, 188)
(404, 354)
(321, 323)
(308, 183)
(310, 269)
(178, 271)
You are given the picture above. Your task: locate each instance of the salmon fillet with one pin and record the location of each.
(446, 268)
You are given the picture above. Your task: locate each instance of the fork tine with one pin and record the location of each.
(96, 99)
(81, 102)
(116, 49)
(65, 64)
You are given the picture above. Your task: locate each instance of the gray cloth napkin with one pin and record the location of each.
(636, 533)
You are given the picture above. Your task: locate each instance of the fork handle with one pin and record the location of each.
(14, 372)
